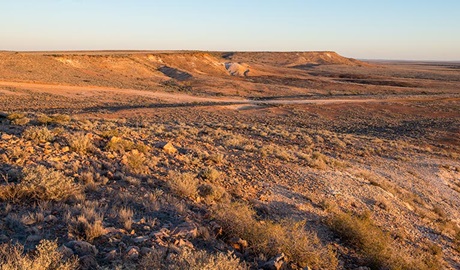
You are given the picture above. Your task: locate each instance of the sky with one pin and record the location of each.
(364, 29)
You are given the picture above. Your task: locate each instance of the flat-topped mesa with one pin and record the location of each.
(144, 69)
(294, 59)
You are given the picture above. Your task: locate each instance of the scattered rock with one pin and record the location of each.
(122, 246)
(4, 238)
(111, 255)
(82, 248)
(28, 221)
(167, 147)
(183, 243)
(140, 239)
(65, 251)
(34, 238)
(88, 262)
(216, 228)
(238, 243)
(146, 250)
(50, 219)
(132, 253)
(6, 136)
(275, 263)
(186, 230)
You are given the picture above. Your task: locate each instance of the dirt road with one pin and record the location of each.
(104, 94)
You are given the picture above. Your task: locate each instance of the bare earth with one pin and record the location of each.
(301, 136)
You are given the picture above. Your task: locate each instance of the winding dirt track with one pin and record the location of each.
(105, 93)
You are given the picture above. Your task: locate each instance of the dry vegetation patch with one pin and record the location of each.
(41, 184)
(378, 248)
(271, 238)
(46, 257)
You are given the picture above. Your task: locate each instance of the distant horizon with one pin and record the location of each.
(412, 30)
(225, 51)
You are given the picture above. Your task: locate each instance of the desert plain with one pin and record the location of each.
(228, 160)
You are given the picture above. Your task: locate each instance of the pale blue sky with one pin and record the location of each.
(385, 29)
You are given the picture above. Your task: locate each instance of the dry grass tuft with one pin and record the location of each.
(376, 246)
(213, 193)
(85, 229)
(191, 259)
(41, 184)
(38, 134)
(135, 161)
(125, 216)
(81, 143)
(270, 238)
(118, 144)
(46, 257)
(210, 174)
(183, 184)
(60, 119)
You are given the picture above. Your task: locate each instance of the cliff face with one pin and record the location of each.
(296, 59)
(130, 68)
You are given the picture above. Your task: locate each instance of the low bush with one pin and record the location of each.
(376, 246)
(46, 257)
(38, 134)
(41, 184)
(135, 161)
(81, 143)
(271, 238)
(192, 260)
(183, 184)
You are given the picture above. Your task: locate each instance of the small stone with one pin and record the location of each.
(82, 248)
(111, 255)
(4, 238)
(185, 230)
(238, 243)
(6, 136)
(167, 147)
(132, 253)
(216, 228)
(50, 219)
(33, 238)
(88, 262)
(65, 251)
(146, 250)
(122, 246)
(276, 263)
(140, 239)
(183, 243)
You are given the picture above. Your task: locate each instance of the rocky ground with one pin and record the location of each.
(93, 181)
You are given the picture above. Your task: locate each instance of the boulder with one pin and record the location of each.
(167, 147)
(82, 248)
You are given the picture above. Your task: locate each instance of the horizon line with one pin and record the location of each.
(223, 51)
